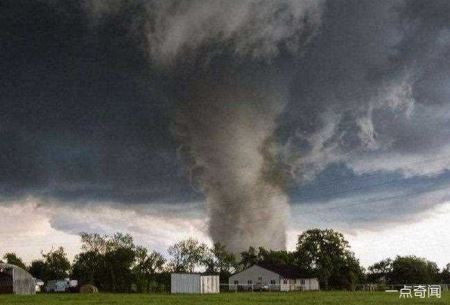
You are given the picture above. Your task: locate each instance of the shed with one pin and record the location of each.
(194, 283)
(15, 280)
(272, 277)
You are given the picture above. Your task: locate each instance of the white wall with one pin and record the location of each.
(314, 284)
(194, 283)
(185, 283)
(307, 284)
(256, 274)
(287, 285)
(210, 284)
(262, 276)
(299, 284)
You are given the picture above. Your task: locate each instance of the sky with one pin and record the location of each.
(244, 122)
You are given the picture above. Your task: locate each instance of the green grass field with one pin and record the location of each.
(300, 298)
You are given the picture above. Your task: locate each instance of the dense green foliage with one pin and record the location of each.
(414, 270)
(12, 258)
(407, 270)
(56, 264)
(187, 255)
(304, 298)
(148, 266)
(261, 255)
(115, 264)
(326, 254)
(53, 265)
(107, 262)
(445, 275)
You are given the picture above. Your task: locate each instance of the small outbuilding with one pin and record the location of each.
(194, 283)
(15, 280)
(272, 277)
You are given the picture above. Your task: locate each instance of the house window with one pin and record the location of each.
(302, 282)
(236, 282)
(249, 282)
(285, 281)
(273, 282)
(260, 278)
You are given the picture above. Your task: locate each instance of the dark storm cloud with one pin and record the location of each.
(82, 114)
(372, 97)
(91, 93)
(365, 90)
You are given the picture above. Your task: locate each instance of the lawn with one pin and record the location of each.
(299, 298)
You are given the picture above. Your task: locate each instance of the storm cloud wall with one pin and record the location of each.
(104, 93)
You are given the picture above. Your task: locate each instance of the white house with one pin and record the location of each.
(194, 283)
(272, 277)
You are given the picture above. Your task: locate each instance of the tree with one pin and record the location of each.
(327, 254)
(275, 257)
(445, 274)
(13, 259)
(219, 260)
(37, 269)
(187, 255)
(106, 261)
(147, 265)
(264, 256)
(93, 242)
(249, 258)
(414, 270)
(348, 273)
(89, 268)
(57, 266)
(381, 272)
(119, 264)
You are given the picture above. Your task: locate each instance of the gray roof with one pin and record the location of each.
(286, 271)
(22, 281)
(6, 265)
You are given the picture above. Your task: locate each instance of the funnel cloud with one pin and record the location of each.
(225, 121)
(226, 131)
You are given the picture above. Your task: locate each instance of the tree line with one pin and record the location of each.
(407, 270)
(115, 264)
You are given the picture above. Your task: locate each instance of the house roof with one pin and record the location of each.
(286, 271)
(19, 272)
(197, 273)
(10, 266)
